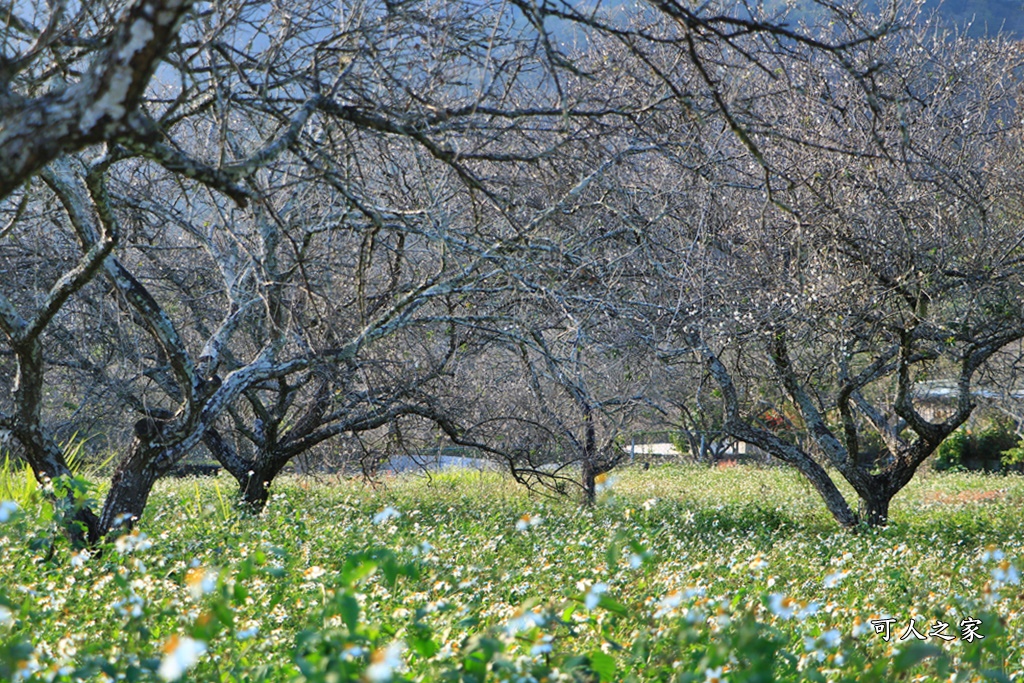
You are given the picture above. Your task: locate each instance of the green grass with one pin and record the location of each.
(698, 569)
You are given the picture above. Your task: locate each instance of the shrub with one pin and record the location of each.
(986, 449)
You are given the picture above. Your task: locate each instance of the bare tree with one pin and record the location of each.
(888, 257)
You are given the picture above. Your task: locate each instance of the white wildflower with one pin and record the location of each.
(384, 663)
(200, 581)
(528, 521)
(132, 542)
(714, 676)
(593, 596)
(386, 514)
(604, 482)
(668, 603)
(831, 638)
(524, 620)
(352, 652)
(807, 611)
(314, 572)
(992, 554)
(835, 578)
(180, 655)
(542, 647)
(782, 606)
(1005, 573)
(7, 510)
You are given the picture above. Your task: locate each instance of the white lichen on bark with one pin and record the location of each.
(111, 103)
(141, 33)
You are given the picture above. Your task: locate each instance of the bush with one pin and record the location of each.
(950, 453)
(987, 449)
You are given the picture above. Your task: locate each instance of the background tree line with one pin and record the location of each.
(262, 233)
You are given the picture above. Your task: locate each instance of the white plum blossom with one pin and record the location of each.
(141, 33)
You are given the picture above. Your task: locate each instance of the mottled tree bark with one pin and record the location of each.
(34, 132)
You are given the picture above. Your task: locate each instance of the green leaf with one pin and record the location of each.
(913, 654)
(612, 605)
(349, 608)
(603, 665)
(994, 675)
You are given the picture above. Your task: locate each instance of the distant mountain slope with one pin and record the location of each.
(985, 16)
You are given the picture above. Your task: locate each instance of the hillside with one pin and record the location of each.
(985, 16)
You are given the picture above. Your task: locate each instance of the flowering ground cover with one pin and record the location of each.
(678, 573)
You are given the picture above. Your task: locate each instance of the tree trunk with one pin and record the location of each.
(805, 464)
(82, 527)
(255, 486)
(590, 467)
(589, 476)
(84, 530)
(874, 510)
(253, 478)
(828, 491)
(130, 488)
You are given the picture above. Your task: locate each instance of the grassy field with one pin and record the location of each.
(678, 573)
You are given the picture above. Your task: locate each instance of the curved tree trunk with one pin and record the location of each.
(130, 488)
